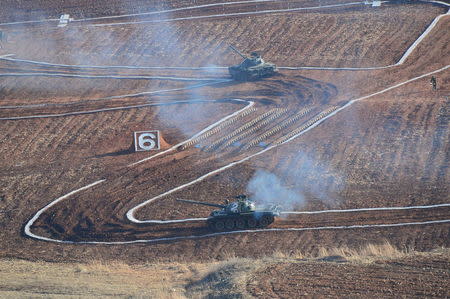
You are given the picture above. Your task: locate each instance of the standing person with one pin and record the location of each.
(433, 82)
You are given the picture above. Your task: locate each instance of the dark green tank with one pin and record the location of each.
(252, 68)
(239, 214)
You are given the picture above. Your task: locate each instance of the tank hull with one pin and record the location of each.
(252, 73)
(240, 221)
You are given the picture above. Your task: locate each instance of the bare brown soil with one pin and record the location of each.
(385, 272)
(389, 150)
(412, 277)
(351, 37)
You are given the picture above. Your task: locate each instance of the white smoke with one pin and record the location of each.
(302, 180)
(266, 188)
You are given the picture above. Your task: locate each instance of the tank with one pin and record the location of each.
(239, 214)
(252, 68)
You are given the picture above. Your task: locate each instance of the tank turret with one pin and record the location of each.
(252, 68)
(239, 214)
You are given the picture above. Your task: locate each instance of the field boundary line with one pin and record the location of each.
(175, 10)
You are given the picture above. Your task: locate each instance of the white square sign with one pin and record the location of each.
(146, 141)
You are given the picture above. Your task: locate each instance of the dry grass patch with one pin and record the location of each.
(216, 279)
(20, 278)
(366, 254)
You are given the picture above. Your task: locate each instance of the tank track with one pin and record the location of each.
(240, 222)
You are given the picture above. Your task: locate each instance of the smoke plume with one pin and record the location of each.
(302, 178)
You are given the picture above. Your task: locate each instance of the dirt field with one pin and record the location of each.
(349, 122)
(412, 277)
(399, 274)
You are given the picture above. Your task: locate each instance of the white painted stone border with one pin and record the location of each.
(111, 98)
(401, 60)
(27, 228)
(108, 109)
(130, 213)
(63, 75)
(131, 217)
(259, 12)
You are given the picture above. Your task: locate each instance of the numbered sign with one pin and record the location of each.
(146, 141)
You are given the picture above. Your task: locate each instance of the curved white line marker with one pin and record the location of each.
(323, 212)
(27, 229)
(259, 12)
(110, 98)
(407, 53)
(107, 109)
(421, 37)
(139, 14)
(130, 213)
(368, 209)
(63, 75)
(342, 227)
(113, 66)
(118, 96)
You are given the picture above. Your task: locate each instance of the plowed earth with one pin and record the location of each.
(389, 150)
(416, 277)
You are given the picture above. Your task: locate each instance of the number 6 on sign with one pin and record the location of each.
(146, 141)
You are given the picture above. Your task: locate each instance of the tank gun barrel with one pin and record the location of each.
(237, 51)
(202, 203)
